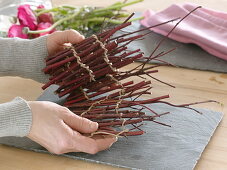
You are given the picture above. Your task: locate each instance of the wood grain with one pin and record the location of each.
(191, 85)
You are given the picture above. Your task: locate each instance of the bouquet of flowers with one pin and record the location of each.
(34, 23)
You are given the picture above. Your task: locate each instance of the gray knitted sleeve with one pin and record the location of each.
(24, 58)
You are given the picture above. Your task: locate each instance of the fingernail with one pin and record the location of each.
(116, 138)
(95, 125)
(111, 144)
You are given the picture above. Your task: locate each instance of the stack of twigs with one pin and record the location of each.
(89, 74)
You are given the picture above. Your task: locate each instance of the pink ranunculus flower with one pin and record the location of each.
(45, 17)
(16, 31)
(40, 6)
(45, 25)
(27, 17)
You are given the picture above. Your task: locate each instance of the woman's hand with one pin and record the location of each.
(55, 127)
(56, 40)
(60, 131)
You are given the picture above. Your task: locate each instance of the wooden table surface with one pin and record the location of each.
(191, 86)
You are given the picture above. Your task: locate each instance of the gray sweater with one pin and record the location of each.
(24, 58)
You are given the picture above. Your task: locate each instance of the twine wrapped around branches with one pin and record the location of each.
(89, 74)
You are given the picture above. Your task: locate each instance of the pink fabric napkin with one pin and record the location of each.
(204, 27)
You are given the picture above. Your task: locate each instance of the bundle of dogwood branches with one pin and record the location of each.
(89, 74)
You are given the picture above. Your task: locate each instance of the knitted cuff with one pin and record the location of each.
(15, 118)
(24, 58)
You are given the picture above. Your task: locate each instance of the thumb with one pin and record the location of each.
(68, 36)
(56, 40)
(80, 124)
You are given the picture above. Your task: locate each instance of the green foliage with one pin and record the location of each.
(88, 19)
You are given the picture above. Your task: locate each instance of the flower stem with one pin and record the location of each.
(117, 6)
(113, 21)
(98, 19)
(95, 19)
(42, 11)
(54, 25)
